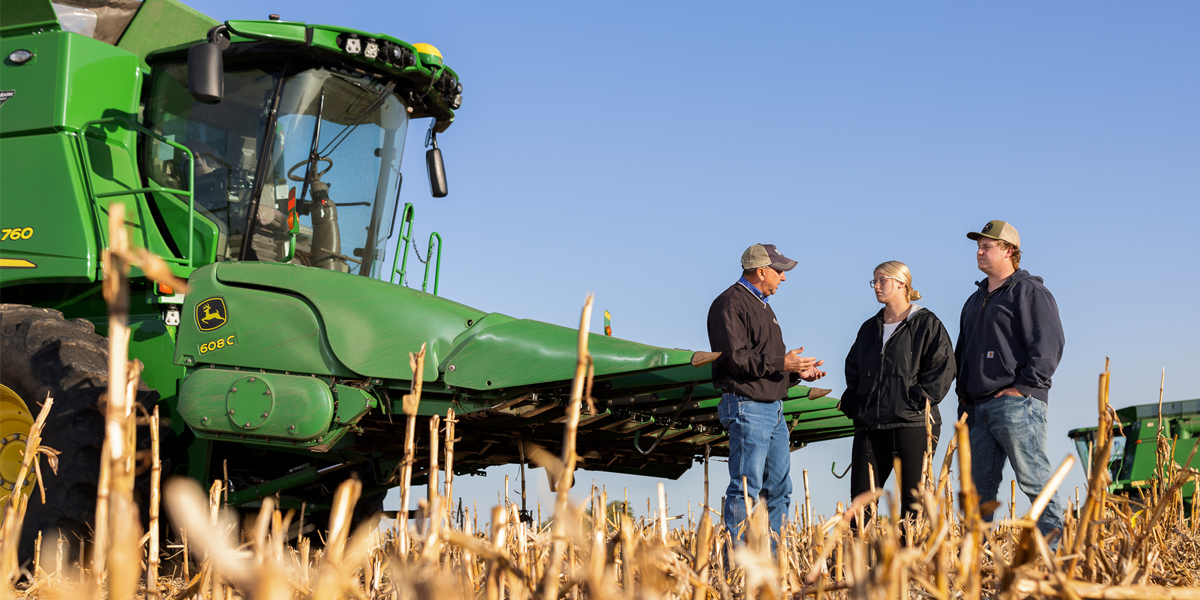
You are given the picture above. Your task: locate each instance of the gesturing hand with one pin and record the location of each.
(812, 374)
(793, 362)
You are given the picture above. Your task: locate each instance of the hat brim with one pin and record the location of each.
(975, 235)
(787, 265)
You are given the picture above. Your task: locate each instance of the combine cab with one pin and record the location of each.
(261, 159)
(1132, 461)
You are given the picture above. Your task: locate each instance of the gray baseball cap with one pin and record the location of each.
(765, 255)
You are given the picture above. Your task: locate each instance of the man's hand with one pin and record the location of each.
(1012, 391)
(812, 374)
(793, 362)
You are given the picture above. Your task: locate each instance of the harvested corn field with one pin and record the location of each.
(1111, 546)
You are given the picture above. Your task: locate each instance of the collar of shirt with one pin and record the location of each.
(753, 290)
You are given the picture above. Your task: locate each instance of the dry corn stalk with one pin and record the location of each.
(410, 403)
(1151, 554)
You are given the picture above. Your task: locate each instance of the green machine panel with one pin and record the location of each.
(48, 232)
(377, 323)
(253, 328)
(547, 352)
(265, 408)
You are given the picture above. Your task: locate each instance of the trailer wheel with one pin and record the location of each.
(42, 354)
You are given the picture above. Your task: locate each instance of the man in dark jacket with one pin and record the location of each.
(1010, 341)
(755, 371)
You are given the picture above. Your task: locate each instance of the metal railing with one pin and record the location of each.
(186, 260)
(404, 241)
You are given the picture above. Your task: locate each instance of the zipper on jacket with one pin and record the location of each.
(989, 294)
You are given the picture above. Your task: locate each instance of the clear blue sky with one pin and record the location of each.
(634, 149)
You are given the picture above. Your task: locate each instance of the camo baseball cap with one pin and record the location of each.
(998, 230)
(765, 255)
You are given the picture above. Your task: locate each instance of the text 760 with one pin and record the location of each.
(16, 233)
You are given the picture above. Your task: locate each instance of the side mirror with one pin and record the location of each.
(437, 172)
(206, 77)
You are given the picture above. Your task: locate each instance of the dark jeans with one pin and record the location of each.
(874, 450)
(1012, 428)
(758, 451)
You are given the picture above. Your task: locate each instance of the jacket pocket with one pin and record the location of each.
(865, 383)
(903, 407)
(995, 368)
(916, 403)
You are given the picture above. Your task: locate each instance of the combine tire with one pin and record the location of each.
(43, 354)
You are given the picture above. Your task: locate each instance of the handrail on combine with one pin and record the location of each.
(406, 219)
(437, 271)
(187, 259)
(406, 237)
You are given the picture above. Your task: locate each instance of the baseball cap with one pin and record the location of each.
(765, 255)
(998, 230)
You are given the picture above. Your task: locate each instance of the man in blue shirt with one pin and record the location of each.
(755, 371)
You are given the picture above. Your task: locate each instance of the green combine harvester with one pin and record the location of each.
(261, 160)
(1132, 461)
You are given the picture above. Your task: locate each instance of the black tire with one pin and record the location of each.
(43, 354)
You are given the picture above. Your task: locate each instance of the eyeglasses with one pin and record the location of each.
(878, 282)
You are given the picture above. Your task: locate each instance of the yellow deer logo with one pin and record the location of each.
(211, 314)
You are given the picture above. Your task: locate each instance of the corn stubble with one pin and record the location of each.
(1111, 546)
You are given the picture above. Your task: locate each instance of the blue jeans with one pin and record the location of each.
(758, 451)
(1012, 427)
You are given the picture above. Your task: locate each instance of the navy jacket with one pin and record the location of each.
(1011, 337)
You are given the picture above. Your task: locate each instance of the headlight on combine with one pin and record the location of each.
(381, 50)
(20, 57)
(399, 56)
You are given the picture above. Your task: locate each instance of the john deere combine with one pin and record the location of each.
(261, 159)
(1132, 461)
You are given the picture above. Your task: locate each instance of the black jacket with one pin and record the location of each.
(888, 389)
(1011, 337)
(746, 333)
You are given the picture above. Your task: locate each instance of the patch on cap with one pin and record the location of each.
(998, 230)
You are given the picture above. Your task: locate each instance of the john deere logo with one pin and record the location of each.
(987, 228)
(211, 314)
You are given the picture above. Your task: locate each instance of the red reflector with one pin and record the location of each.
(165, 290)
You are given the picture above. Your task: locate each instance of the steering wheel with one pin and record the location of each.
(326, 160)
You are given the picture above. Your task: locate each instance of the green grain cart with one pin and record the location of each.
(261, 159)
(1132, 462)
